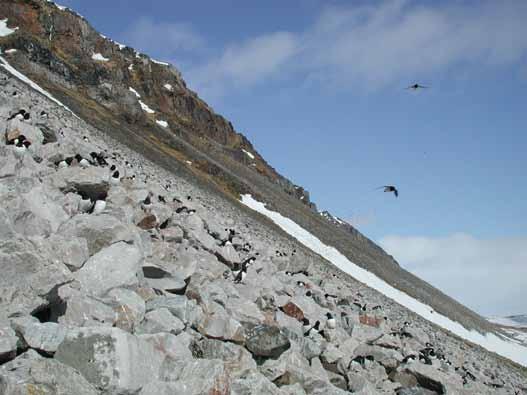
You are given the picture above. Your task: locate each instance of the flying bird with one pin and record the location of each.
(390, 188)
(417, 86)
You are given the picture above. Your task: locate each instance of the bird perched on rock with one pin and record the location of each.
(114, 179)
(241, 275)
(390, 188)
(417, 86)
(331, 323)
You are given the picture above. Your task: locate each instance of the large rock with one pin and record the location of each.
(84, 310)
(28, 276)
(158, 278)
(43, 337)
(430, 378)
(185, 309)
(115, 266)
(201, 376)
(37, 375)
(174, 347)
(254, 383)
(72, 251)
(100, 231)
(128, 306)
(111, 359)
(237, 359)
(160, 320)
(267, 341)
(217, 324)
(93, 180)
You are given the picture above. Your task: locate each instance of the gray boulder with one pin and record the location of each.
(254, 383)
(267, 341)
(174, 347)
(44, 337)
(160, 320)
(201, 376)
(100, 231)
(38, 375)
(111, 359)
(115, 266)
(159, 387)
(237, 359)
(183, 308)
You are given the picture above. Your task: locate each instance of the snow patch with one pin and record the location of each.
(249, 154)
(60, 7)
(4, 30)
(168, 87)
(162, 123)
(490, 341)
(23, 78)
(134, 92)
(99, 57)
(10, 51)
(161, 63)
(131, 67)
(146, 108)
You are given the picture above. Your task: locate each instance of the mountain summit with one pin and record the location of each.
(146, 247)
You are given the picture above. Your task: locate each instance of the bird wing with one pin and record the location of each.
(396, 192)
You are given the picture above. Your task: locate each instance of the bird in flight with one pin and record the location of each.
(390, 188)
(417, 86)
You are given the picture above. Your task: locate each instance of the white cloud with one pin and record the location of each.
(162, 39)
(245, 64)
(392, 42)
(489, 276)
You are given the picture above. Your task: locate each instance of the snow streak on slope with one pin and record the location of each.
(23, 78)
(490, 341)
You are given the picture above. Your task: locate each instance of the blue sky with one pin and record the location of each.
(318, 88)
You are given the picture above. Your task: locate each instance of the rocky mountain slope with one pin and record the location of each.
(138, 295)
(146, 105)
(155, 279)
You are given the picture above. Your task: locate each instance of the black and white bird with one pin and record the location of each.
(416, 87)
(85, 203)
(305, 325)
(314, 329)
(20, 115)
(146, 204)
(114, 179)
(360, 306)
(83, 162)
(301, 283)
(330, 323)
(99, 205)
(21, 148)
(390, 188)
(241, 275)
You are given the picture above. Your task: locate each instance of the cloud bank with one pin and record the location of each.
(489, 276)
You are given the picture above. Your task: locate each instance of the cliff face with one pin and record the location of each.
(104, 80)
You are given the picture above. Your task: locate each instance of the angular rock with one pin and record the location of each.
(43, 376)
(82, 310)
(185, 309)
(267, 341)
(113, 267)
(293, 310)
(254, 383)
(237, 359)
(160, 320)
(201, 376)
(43, 337)
(100, 231)
(217, 324)
(73, 252)
(148, 222)
(158, 278)
(128, 306)
(110, 358)
(174, 347)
